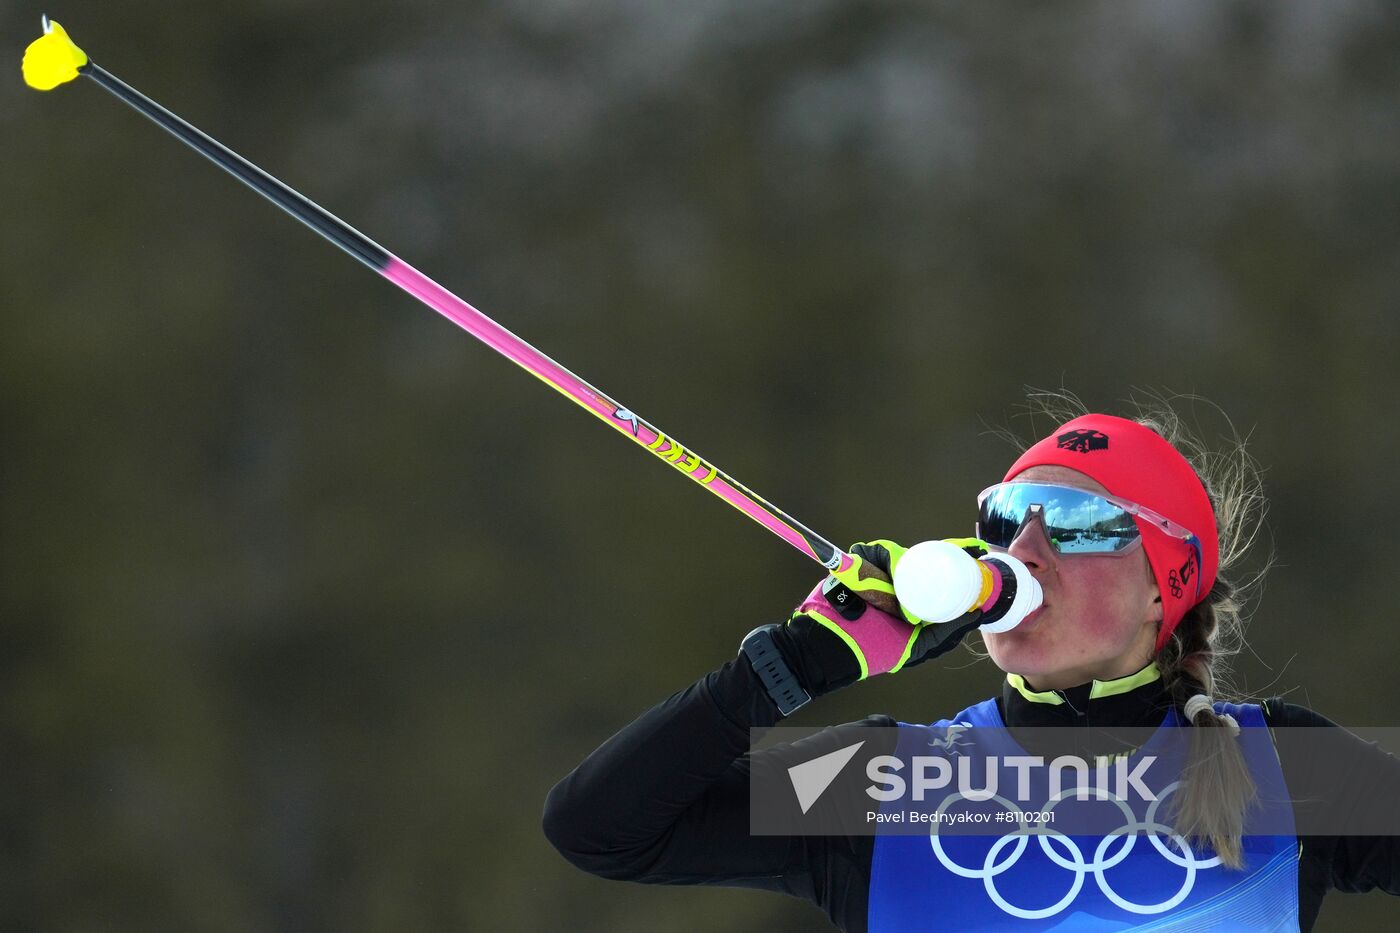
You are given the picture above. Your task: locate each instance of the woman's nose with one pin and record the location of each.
(1031, 546)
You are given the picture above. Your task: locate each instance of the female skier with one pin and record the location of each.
(1127, 541)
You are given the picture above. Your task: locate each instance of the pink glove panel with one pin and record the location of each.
(879, 640)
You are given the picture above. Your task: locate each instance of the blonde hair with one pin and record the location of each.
(1216, 786)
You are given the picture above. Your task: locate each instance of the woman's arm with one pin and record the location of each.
(1336, 778)
(666, 801)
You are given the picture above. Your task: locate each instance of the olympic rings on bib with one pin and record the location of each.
(1073, 860)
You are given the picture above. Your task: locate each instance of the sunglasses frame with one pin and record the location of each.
(1154, 519)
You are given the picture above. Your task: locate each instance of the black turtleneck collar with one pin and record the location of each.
(1136, 700)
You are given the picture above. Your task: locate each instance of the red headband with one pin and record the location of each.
(1135, 463)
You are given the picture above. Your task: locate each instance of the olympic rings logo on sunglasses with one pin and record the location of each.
(1075, 520)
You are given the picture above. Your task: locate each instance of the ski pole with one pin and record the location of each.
(53, 59)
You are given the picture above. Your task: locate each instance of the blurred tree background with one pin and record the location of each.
(308, 598)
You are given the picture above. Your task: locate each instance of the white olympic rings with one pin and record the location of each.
(1075, 862)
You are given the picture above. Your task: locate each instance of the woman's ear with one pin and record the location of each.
(1155, 609)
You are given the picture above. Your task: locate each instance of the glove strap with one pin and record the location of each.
(782, 684)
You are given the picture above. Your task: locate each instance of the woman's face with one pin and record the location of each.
(1101, 612)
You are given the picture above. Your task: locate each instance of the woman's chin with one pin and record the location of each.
(1030, 630)
(1021, 651)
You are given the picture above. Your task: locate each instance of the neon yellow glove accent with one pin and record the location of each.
(884, 552)
(52, 59)
(851, 575)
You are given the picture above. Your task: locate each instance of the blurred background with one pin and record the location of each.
(307, 598)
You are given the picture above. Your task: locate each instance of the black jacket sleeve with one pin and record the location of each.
(666, 801)
(1337, 778)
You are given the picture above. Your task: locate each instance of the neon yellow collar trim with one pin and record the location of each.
(1101, 688)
